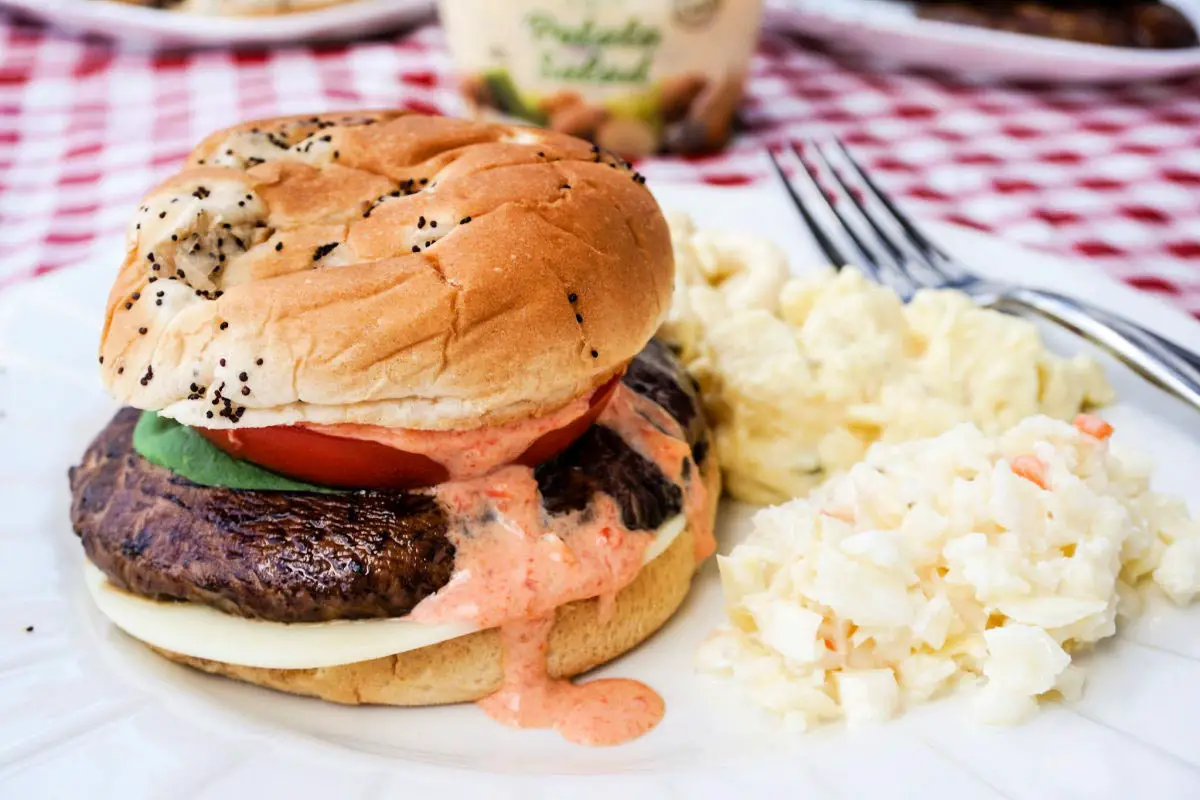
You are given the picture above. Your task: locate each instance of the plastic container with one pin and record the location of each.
(634, 76)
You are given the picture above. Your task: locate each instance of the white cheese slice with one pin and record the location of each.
(199, 631)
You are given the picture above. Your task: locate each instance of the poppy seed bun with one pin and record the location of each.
(471, 667)
(384, 268)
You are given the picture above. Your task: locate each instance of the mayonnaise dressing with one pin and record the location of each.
(468, 453)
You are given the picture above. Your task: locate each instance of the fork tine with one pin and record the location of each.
(880, 264)
(867, 259)
(848, 192)
(935, 257)
(831, 251)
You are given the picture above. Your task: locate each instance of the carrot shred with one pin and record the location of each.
(1031, 468)
(1093, 426)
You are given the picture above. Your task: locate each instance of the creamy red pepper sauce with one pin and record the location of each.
(601, 712)
(515, 564)
(464, 453)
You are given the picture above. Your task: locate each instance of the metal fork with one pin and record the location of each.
(880, 239)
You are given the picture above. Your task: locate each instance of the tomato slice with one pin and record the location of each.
(307, 455)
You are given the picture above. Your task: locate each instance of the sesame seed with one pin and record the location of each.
(150, 257)
(336, 155)
(565, 186)
(159, 293)
(278, 246)
(579, 317)
(128, 306)
(136, 295)
(572, 297)
(259, 362)
(595, 354)
(181, 273)
(242, 377)
(162, 215)
(208, 414)
(424, 181)
(221, 362)
(464, 220)
(223, 325)
(245, 390)
(158, 302)
(101, 359)
(174, 237)
(29, 629)
(242, 203)
(433, 223)
(420, 222)
(416, 248)
(143, 331)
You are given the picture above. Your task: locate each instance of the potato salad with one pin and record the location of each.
(801, 375)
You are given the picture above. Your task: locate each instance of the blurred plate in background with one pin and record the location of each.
(148, 26)
(893, 31)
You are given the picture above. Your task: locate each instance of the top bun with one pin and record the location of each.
(384, 268)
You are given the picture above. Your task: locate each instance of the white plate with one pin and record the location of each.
(151, 27)
(85, 711)
(891, 30)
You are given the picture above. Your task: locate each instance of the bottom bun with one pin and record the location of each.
(471, 667)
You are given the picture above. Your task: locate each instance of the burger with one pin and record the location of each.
(395, 427)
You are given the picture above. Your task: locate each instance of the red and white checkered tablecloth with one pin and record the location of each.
(1111, 174)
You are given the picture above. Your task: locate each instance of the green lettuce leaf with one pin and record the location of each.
(167, 443)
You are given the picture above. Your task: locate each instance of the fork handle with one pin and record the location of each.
(1192, 359)
(1141, 351)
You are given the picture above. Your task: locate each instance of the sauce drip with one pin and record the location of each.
(465, 454)
(656, 435)
(514, 565)
(601, 712)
